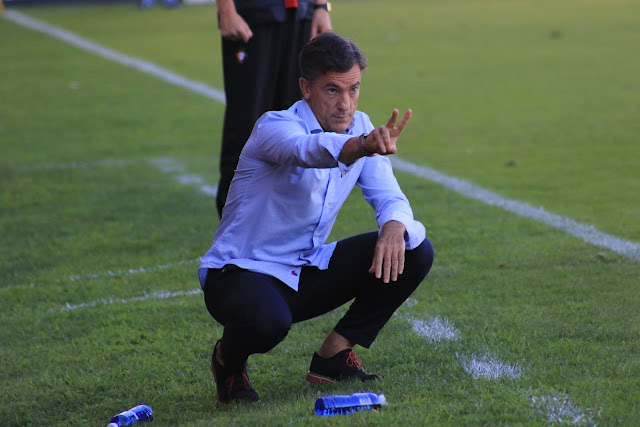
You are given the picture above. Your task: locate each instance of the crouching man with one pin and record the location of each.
(270, 266)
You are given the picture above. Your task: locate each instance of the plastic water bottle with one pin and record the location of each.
(346, 404)
(139, 414)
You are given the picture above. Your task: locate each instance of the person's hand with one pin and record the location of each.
(388, 258)
(321, 22)
(382, 140)
(233, 27)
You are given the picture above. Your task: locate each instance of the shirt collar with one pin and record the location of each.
(305, 113)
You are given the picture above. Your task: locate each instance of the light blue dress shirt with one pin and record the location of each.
(287, 191)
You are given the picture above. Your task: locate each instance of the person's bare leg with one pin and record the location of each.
(333, 344)
(335, 361)
(219, 354)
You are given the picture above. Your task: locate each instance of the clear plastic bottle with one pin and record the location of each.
(346, 404)
(139, 414)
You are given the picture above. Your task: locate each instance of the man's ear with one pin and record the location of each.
(305, 88)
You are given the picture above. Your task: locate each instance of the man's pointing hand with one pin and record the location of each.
(382, 140)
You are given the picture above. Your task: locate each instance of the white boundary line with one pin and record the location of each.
(171, 166)
(112, 55)
(146, 296)
(132, 271)
(587, 233)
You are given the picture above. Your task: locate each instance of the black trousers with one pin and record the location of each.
(259, 76)
(257, 310)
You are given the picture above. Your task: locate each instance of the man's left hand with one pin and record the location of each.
(388, 259)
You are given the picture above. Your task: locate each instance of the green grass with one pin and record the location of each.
(535, 100)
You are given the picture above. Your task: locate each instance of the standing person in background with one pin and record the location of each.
(261, 42)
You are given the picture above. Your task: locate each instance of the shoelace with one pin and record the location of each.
(352, 360)
(238, 382)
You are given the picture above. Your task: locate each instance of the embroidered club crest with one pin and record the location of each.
(241, 55)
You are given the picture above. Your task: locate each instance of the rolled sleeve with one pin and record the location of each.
(333, 143)
(416, 232)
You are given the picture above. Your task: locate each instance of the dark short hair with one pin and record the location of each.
(329, 52)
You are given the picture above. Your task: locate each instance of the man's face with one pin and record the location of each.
(333, 98)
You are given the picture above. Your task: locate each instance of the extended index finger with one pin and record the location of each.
(391, 123)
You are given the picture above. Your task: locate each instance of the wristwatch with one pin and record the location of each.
(326, 6)
(363, 151)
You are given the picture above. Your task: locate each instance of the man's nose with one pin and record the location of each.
(343, 101)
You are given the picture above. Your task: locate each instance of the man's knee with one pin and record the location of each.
(255, 335)
(268, 328)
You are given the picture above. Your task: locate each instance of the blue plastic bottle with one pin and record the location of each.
(346, 404)
(139, 414)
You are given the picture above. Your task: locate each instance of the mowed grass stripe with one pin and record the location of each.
(586, 232)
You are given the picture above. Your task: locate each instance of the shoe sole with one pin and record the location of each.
(319, 379)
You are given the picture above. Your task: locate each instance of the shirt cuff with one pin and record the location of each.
(334, 143)
(345, 168)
